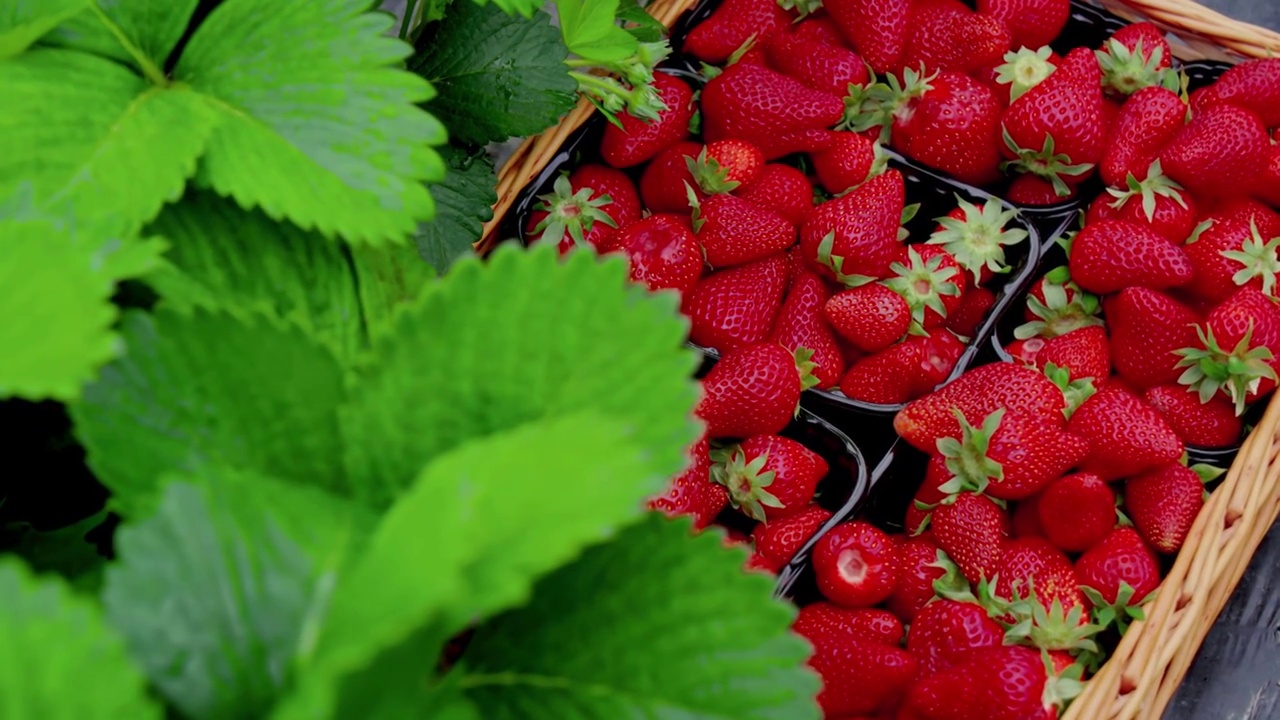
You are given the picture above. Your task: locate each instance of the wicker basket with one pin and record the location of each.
(1151, 660)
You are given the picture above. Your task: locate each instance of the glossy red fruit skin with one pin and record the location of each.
(776, 543)
(954, 127)
(1172, 218)
(1077, 512)
(764, 107)
(869, 624)
(1127, 437)
(972, 312)
(972, 531)
(662, 184)
(1163, 505)
(1249, 310)
(1211, 425)
(637, 141)
(820, 65)
(1032, 23)
(1149, 119)
(818, 27)
(865, 222)
(1147, 327)
(945, 37)
(846, 163)
(856, 564)
(1268, 189)
(944, 633)
(1220, 150)
(1253, 85)
(1035, 191)
(740, 161)
(736, 232)
(1085, 352)
(1032, 452)
(801, 324)
(797, 472)
(1230, 228)
(1066, 106)
(738, 306)
(782, 189)
(692, 492)
(918, 557)
(872, 317)
(731, 25)
(752, 391)
(662, 253)
(1121, 557)
(997, 683)
(1112, 255)
(603, 180)
(928, 494)
(859, 677)
(1035, 567)
(876, 29)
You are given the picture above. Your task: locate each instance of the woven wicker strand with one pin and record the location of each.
(1185, 16)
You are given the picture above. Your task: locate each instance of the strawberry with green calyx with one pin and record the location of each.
(1126, 436)
(664, 182)
(1238, 352)
(801, 325)
(692, 492)
(945, 632)
(1116, 576)
(1149, 119)
(856, 564)
(1006, 682)
(581, 209)
(1135, 57)
(735, 232)
(769, 478)
(1011, 457)
(1112, 255)
(1025, 68)
(626, 85)
(1208, 425)
(725, 165)
(1157, 202)
(1240, 247)
(851, 160)
(972, 530)
(1077, 511)
(753, 391)
(1148, 328)
(860, 231)
(1221, 150)
(926, 573)
(782, 189)
(872, 316)
(633, 140)
(777, 542)
(1034, 572)
(1054, 628)
(1164, 503)
(1075, 390)
(976, 237)
(1084, 354)
(932, 285)
(715, 39)
(737, 306)
(1056, 305)
(887, 104)
(1035, 191)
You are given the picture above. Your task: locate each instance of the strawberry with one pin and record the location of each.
(777, 542)
(692, 493)
(751, 391)
(848, 162)
(904, 371)
(922, 564)
(1025, 519)
(1222, 149)
(1011, 456)
(1077, 511)
(1137, 56)
(1149, 119)
(585, 207)
(662, 253)
(782, 189)
(974, 306)
(1056, 305)
(1084, 352)
(928, 495)
(857, 234)
(1157, 202)
(947, 36)
(877, 29)
(1037, 591)
(856, 564)
(725, 165)
(735, 232)
(1112, 255)
(738, 306)
(872, 317)
(945, 632)
(1253, 85)
(769, 478)
(939, 351)
(930, 280)
(868, 624)
(818, 64)
(1032, 23)
(1035, 191)
(972, 530)
(801, 324)
(764, 107)
(1239, 247)
(1268, 189)
(1208, 425)
(1126, 436)
(976, 237)
(859, 676)
(1238, 350)
(634, 140)
(1056, 129)
(732, 25)
(818, 27)
(1116, 575)
(978, 393)
(1164, 503)
(1147, 328)
(999, 683)
(665, 181)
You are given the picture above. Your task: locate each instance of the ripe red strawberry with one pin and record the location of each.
(801, 324)
(939, 351)
(735, 232)
(1009, 682)
(868, 624)
(1208, 425)
(731, 25)
(1238, 248)
(1032, 23)
(877, 29)
(931, 281)
(922, 564)
(859, 677)
(782, 189)
(965, 320)
(856, 564)
(928, 495)
(945, 632)
(769, 478)
(978, 393)
(692, 493)
(1056, 305)
(738, 306)
(1150, 118)
(862, 226)
(777, 542)
(1157, 202)
(1011, 456)
(1056, 129)
(818, 27)
(763, 107)
(664, 182)
(1084, 352)
(1237, 353)
(947, 36)
(849, 162)
(820, 65)
(638, 140)
(1033, 569)
(1112, 255)
(872, 317)
(1268, 189)
(1117, 574)
(1126, 436)
(662, 253)
(726, 165)
(1147, 328)
(1164, 503)
(972, 530)
(585, 207)
(1137, 56)
(904, 371)
(1077, 511)
(1222, 149)
(1253, 85)
(752, 391)
(977, 236)
(1035, 191)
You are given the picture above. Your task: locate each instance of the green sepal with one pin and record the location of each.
(802, 7)
(746, 480)
(1118, 614)
(952, 585)
(709, 174)
(1259, 259)
(1060, 688)
(1127, 71)
(1066, 307)
(966, 458)
(1156, 185)
(695, 209)
(1023, 69)
(937, 280)
(1044, 162)
(977, 242)
(835, 263)
(1210, 369)
(1075, 391)
(806, 367)
(878, 103)
(571, 212)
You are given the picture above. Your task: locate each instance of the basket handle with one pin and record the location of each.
(1190, 16)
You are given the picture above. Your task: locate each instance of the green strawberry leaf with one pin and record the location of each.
(141, 33)
(652, 581)
(464, 202)
(22, 22)
(525, 8)
(590, 30)
(59, 659)
(643, 26)
(497, 76)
